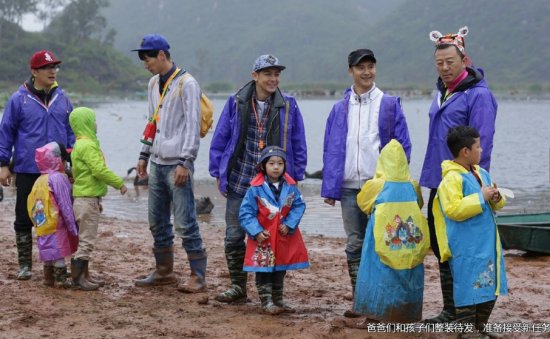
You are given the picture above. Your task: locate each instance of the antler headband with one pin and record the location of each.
(456, 39)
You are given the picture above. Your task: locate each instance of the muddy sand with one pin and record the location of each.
(120, 310)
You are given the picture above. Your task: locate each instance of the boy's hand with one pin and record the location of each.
(488, 192)
(283, 229)
(5, 176)
(262, 236)
(330, 201)
(123, 189)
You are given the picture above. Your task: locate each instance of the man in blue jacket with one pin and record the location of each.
(358, 127)
(462, 98)
(257, 116)
(36, 114)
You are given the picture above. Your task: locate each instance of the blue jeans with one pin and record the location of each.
(355, 222)
(164, 198)
(234, 233)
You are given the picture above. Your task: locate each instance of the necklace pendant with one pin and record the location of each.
(261, 145)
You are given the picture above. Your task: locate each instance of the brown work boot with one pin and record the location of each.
(48, 275)
(197, 282)
(164, 272)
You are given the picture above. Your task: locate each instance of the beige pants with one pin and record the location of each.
(86, 213)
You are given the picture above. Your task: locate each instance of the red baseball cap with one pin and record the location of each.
(43, 58)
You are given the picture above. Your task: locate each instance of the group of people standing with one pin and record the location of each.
(258, 152)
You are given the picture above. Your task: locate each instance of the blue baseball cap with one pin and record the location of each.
(266, 61)
(153, 42)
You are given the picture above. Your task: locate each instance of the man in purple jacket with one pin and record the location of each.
(358, 127)
(258, 115)
(36, 114)
(463, 98)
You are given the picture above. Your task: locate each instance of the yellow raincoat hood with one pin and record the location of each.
(392, 164)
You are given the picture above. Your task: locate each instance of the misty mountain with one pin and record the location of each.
(218, 40)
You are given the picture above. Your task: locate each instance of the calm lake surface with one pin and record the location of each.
(520, 158)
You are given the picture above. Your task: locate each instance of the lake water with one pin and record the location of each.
(520, 159)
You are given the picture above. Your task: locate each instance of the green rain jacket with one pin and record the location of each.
(91, 174)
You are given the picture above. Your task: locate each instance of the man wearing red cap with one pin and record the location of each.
(36, 114)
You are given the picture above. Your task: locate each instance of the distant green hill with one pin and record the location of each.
(89, 67)
(218, 40)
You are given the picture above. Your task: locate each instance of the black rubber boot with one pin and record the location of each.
(446, 279)
(237, 292)
(78, 273)
(266, 297)
(277, 289)
(353, 268)
(61, 277)
(24, 254)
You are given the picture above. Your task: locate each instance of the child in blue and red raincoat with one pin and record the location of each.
(270, 213)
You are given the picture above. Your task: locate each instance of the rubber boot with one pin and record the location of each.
(266, 297)
(100, 283)
(446, 279)
(48, 275)
(24, 254)
(164, 272)
(197, 282)
(78, 273)
(277, 293)
(353, 268)
(61, 277)
(237, 292)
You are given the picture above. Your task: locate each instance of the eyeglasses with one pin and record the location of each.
(50, 67)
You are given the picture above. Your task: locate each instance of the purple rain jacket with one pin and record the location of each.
(28, 124)
(229, 135)
(391, 125)
(472, 104)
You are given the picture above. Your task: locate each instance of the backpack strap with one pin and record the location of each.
(285, 131)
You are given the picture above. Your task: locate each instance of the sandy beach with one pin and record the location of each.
(120, 310)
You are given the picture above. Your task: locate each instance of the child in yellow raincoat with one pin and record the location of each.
(466, 231)
(390, 282)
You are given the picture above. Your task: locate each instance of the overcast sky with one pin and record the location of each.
(30, 23)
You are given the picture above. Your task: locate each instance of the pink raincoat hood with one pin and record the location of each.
(48, 158)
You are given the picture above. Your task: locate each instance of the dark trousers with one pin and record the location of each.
(431, 224)
(23, 183)
(276, 278)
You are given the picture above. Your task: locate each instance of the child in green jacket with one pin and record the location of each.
(91, 177)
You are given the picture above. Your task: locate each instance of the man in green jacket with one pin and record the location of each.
(91, 177)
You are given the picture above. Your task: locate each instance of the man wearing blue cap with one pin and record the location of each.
(257, 116)
(174, 113)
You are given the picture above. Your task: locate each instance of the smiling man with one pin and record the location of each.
(36, 114)
(357, 128)
(174, 99)
(257, 116)
(462, 98)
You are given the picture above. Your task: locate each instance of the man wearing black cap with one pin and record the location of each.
(36, 114)
(358, 127)
(257, 116)
(174, 102)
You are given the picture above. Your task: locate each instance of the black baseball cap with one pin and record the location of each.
(358, 55)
